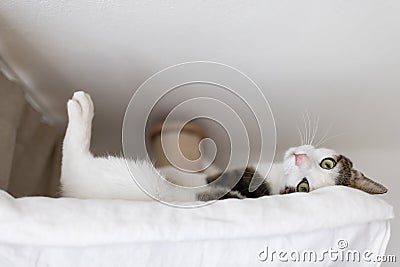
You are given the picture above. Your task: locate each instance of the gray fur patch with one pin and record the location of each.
(288, 190)
(353, 178)
(218, 193)
(345, 166)
(227, 179)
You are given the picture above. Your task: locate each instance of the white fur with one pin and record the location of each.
(275, 176)
(317, 177)
(286, 173)
(86, 176)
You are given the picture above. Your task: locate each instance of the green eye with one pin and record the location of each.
(303, 186)
(328, 163)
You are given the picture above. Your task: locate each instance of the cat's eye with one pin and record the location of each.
(328, 163)
(303, 186)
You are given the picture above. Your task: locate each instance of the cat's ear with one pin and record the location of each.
(359, 181)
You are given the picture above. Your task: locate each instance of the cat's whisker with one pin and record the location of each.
(334, 136)
(309, 128)
(301, 135)
(321, 141)
(315, 130)
(305, 129)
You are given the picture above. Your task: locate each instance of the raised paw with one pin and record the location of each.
(80, 108)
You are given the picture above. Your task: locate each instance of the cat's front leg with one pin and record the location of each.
(77, 159)
(80, 116)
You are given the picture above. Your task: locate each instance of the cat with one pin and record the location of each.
(83, 175)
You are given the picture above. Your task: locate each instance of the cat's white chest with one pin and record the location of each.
(274, 175)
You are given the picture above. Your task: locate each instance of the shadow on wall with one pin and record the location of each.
(30, 150)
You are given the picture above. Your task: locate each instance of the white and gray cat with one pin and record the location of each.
(304, 168)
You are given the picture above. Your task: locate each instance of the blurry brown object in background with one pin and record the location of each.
(185, 154)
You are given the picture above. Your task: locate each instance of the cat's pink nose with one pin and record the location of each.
(301, 160)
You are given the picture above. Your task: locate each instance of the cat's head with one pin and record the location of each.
(307, 168)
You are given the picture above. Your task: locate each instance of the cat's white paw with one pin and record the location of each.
(80, 108)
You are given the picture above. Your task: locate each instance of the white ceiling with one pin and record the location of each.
(338, 60)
